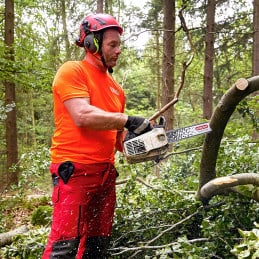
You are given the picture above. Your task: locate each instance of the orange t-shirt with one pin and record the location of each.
(71, 143)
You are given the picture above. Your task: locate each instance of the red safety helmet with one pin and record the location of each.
(95, 23)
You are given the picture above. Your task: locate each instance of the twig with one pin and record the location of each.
(153, 187)
(161, 234)
(182, 152)
(137, 249)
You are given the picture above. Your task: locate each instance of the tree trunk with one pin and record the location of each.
(99, 6)
(158, 70)
(218, 122)
(65, 31)
(209, 56)
(168, 59)
(256, 39)
(11, 128)
(255, 66)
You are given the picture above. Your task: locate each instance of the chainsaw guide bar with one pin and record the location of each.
(154, 144)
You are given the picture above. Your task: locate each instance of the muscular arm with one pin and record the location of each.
(86, 115)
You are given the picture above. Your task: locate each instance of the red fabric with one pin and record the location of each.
(84, 206)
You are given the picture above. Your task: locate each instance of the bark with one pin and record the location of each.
(256, 39)
(11, 126)
(6, 238)
(255, 66)
(158, 69)
(65, 31)
(209, 56)
(225, 108)
(99, 6)
(168, 58)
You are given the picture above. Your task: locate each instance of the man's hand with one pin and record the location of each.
(138, 125)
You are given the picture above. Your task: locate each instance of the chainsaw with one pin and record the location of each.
(153, 144)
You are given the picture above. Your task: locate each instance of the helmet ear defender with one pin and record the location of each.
(91, 43)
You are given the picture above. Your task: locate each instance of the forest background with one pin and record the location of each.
(158, 214)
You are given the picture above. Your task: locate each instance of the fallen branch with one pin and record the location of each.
(123, 181)
(221, 115)
(130, 249)
(225, 184)
(6, 238)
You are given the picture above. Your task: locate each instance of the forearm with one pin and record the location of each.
(98, 119)
(86, 115)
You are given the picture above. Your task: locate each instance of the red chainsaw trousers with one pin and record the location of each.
(83, 209)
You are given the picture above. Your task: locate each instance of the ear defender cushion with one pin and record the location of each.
(91, 43)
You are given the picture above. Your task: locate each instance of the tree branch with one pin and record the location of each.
(222, 185)
(6, 238)
(138, 249)
(224, 110)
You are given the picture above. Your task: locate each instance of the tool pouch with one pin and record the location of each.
(65, 171)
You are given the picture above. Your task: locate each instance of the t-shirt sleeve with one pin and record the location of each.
(70, 81)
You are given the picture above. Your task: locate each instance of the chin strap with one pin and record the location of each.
(99, 37)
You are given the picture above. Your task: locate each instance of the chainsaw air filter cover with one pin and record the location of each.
(147, 146)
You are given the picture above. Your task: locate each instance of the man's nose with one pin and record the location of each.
(118, 50)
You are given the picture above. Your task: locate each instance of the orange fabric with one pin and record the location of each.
(71, 143)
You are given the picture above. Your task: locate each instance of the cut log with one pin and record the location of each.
(7, 237)
(241, 84)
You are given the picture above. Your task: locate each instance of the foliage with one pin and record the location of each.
(40, 49)
(159, 199)
(17, 210)
(224, 222)
(138, 84)
(238, 155)
(33, 165)
(249, 247)
(143, 210)
(249, 108)
(27, 246)
(41, 216)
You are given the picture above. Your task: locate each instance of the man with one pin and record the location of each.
(89, 120)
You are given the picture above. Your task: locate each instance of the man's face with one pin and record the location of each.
(111, 47)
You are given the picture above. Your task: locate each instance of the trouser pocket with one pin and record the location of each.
(65, 170)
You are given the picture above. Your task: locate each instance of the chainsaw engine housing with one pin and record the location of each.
(145, 147)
